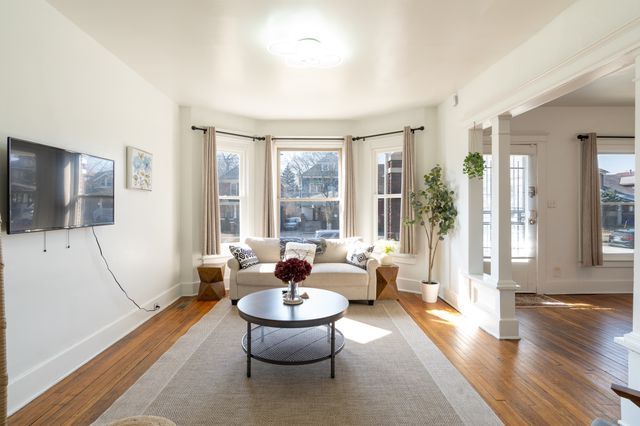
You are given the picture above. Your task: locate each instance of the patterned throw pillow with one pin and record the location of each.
(245, 256)
(321, 244)
(358, 254)
(300, 251)
(284, 241)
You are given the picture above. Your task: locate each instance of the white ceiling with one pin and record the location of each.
(397, 53)
(617, 89)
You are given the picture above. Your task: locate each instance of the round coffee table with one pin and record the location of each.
(292, 334)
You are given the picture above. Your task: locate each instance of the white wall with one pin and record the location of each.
(412, 269)
(59, 87)
(560, 125)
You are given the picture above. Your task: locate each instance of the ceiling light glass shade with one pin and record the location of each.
(282, 48)
(306, 52)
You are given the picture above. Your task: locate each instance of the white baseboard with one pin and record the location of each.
(190, 289)
(409, 285)
(30, 384)
(587, 286)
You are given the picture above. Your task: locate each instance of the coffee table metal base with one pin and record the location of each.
(292, 346)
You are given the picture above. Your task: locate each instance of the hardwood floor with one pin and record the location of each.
(561, 370)
(81, 397)
(558, 373)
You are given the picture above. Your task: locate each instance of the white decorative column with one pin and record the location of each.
(504, 299)
(631, 413)
(474, 211)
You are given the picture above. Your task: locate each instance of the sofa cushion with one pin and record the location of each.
(244, 255)
(335, 251)
(259, 275)
(267, 249)
(284, 241)
(323, 275)
(358, 254)
(320, 243)
(300, 251)
(327, 275)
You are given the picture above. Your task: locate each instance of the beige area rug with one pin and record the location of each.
(388, 373)
(538, 301)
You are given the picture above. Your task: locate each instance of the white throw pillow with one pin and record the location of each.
(358, 254)
(300, 251)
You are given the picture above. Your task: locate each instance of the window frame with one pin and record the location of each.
(241, 186)
(278, 190)
(377, 196)
(386, 146)
(617, 146)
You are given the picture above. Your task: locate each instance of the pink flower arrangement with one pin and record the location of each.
(293, 269)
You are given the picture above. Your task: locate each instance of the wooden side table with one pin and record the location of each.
(211, 281)
(387, 287)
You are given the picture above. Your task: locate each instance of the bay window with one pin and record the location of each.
(308, 193)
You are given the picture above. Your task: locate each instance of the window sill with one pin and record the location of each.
(405, 259)
(218, 258)
(617, 263)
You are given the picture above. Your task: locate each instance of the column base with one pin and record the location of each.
(492, 306)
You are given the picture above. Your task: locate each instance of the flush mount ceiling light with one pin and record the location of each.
(307, 52)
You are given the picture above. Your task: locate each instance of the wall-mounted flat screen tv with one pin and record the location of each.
(52, 188)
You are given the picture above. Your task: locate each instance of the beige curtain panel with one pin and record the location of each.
(268, 224)
(210, 196)
(407, 232)
(349, 228)
(590, 213)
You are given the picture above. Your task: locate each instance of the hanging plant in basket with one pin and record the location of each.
(473, 165)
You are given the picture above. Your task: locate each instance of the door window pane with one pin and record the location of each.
(617, 198)
(521, 241)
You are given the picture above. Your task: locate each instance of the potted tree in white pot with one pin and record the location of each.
(436, 213)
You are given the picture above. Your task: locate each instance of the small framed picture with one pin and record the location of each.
(139, 169)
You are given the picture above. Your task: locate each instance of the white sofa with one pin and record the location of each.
(330, 271)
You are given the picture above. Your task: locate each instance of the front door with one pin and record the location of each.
(524, 216)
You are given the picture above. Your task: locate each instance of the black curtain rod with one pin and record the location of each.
(356, 138)
(413, 130)
(583, 137)
(255, 138)
(307, 139)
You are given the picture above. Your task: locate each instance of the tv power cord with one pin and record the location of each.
(155, 308)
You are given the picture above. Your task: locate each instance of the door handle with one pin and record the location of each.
(533, 217)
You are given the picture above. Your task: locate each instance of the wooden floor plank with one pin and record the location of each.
(82, 396)
(560, 372)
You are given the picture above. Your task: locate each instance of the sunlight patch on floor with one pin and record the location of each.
(452, 318)
(360, 332)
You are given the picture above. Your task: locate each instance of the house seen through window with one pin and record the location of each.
(309, 199)
(229, 192)
(617, 174)
(388, 194)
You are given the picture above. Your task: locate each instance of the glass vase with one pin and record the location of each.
(291, 296)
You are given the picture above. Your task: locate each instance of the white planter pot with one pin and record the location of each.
(386, 260)
(430, 291)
